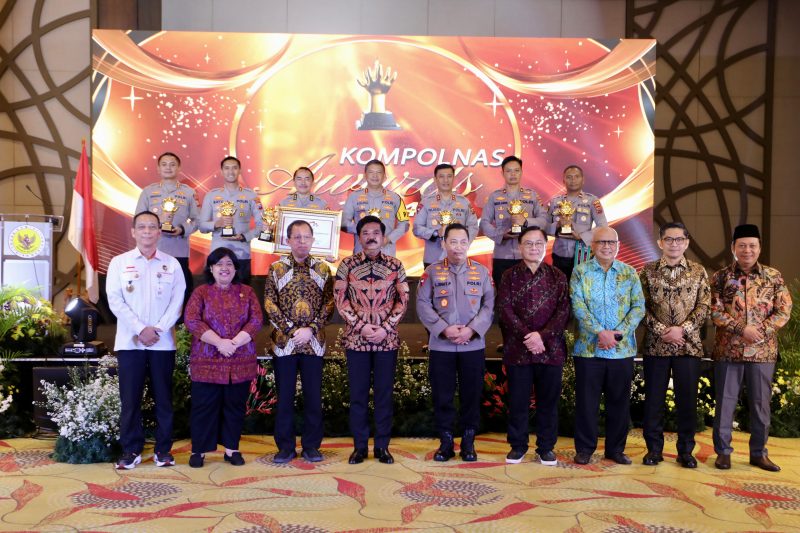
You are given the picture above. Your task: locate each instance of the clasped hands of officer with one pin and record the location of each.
(374, 334)
(608, 339)
(227, 222)
(533, 342)
(673, 335)
(302, 336)
(149, 335)
(459, 334)
(516, 220)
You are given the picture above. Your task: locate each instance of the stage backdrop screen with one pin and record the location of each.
(279, 101)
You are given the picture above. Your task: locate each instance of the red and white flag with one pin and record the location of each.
(81, 224)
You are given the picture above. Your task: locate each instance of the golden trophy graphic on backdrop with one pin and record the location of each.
(268, 219)
(168, 206)
(227, 209)
(515, 207)
(377, 82)
(565, 210)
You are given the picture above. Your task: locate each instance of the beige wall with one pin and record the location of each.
(43, 121)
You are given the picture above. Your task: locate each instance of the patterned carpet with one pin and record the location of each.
(415, 493)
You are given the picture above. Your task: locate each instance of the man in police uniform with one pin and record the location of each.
(455, 300)
(303, 181)
(174, 242)
(248, 207)
(588, 211)
(427, 222)
(497, 221)
(377, 201)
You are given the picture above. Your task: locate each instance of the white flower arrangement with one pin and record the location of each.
(87, 407)
(6, 397)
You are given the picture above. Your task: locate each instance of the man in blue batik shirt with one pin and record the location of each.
(608, 304)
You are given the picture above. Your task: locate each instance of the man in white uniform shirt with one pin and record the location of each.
(145, 291)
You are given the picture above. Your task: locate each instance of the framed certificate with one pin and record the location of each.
(326, 226)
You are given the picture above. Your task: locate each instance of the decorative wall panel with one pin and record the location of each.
(715, 67)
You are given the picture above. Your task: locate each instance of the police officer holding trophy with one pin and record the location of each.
(506, 212)
(375, 200)
(455, 300)
(227, 212)
(176, 205)
(570, 218)
(440, 209)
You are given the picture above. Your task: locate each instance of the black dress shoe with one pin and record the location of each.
(764, 463)
(583, 458)
(619, 458)
(196, 460)
(445, 451)
(383, 455)
(235, 458)
(686, 460)
(652, 458)
(723, 462)
(468, 452)
(358, 456)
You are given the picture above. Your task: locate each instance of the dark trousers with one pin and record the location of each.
(546, 381)
(187, 275)
(728, 378)
(685, 372)
(611, 377)
(134, 367)
(361, 367)
(564, 264)
(217, 415)
(499, 266)
(310, 368)
(445, 368)
(244, 270)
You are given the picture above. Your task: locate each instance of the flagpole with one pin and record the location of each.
(80, 256)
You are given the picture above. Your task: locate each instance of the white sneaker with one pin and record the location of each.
(128, 461)
(164, 459)
(515, 456)
(548, 458)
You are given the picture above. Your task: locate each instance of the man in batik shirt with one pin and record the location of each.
(371, 294)
(534, 310)
(749, 304)
(298, 298)
(608, 304)
(677, 297)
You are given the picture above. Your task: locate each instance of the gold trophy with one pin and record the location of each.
(227, 209)
(515, 207)
(168, 206)
(377, 82)
(268, 219)
(446, 218)
(374, 212)
(565, 210)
